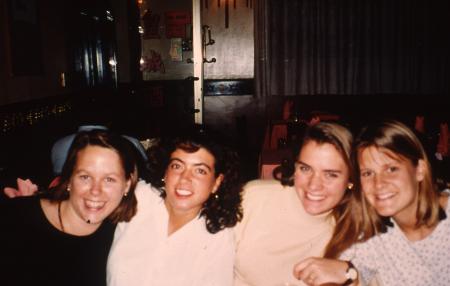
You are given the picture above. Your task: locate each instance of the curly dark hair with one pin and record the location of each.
(223, 208)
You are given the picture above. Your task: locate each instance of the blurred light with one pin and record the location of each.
(109, 16)
(112, 62)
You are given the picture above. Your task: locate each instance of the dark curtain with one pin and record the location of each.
(307, 47)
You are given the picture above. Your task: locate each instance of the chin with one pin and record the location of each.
(314, 210)
(385, 213)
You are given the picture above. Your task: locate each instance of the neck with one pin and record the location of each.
(69, 222)
(414, 233)
(178, 219)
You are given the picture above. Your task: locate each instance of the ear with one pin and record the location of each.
(217, 183)
(420, 170)
(128, 184)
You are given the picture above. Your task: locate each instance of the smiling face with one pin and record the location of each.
(390, 184)
(321, 177)
(97, 185)
(189, 180)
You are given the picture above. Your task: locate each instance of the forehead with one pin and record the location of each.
(201, 156)
(373, 155)
(96, 155)
(323, 156)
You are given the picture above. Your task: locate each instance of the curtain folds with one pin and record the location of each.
(352, 47)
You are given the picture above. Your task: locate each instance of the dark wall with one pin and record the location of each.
(46, 80)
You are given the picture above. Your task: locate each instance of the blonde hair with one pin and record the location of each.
(401, 144)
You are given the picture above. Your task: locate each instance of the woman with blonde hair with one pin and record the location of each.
(406, 234)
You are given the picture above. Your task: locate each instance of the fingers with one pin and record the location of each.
(317, 271)
(26, 187)
(303, 264)
(10, 192)
(303, 271)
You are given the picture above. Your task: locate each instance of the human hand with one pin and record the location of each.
(315, 271)
(24, 188)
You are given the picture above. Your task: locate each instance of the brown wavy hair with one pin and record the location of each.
(223, 208)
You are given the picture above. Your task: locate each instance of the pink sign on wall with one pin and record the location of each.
(176, 22)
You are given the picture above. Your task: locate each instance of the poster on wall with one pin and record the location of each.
(176, 52)
(24, 38)
(176, 22)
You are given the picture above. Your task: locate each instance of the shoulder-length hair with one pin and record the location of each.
(401, 144)
(347, 213)
(223, 208)
(127, 154)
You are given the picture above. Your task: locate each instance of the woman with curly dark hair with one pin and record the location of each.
(181, 234)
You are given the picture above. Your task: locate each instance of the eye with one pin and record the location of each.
(392, 169)
(366, 173)
(110, 179)
(331, 175)
(84, 177)
(303, 168)
(201, 171)
(175, 166)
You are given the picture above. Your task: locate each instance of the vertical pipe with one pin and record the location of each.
(198, 60)
(227, 14)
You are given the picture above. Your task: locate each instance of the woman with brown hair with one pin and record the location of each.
(62, 237)
(303, 218)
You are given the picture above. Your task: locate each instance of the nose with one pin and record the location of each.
(96, 187)
(379, 181)
(186, 175)
(315, 182)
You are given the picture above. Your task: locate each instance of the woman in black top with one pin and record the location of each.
(63, 237)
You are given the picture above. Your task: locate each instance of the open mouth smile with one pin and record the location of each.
(313, 197)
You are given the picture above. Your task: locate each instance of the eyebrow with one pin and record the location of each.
(196, 164)
(326, 170)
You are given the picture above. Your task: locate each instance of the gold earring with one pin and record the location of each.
(350, 186)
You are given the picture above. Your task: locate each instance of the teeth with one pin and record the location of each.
(182, 192)
(385, 196)
(312, 197)
(94, 204)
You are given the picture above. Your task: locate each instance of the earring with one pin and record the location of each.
(216, 196)
(350, 186)
(162, 180)
(125, 194)
(68, 188)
